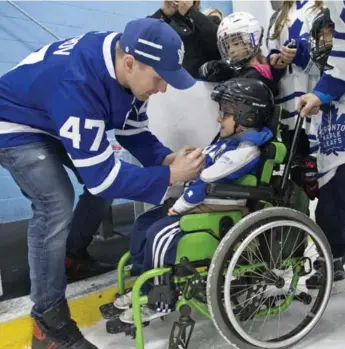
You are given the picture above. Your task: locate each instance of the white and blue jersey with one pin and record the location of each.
(302, 75)
(331, 89)
(68, 90)
(227, 160)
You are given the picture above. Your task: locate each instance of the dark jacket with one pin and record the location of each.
(220, 71)
(199, 36)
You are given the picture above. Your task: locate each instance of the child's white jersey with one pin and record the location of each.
(299, 79)
(332, 83)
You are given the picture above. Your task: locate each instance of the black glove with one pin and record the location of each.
(217, 71)
(304, 174)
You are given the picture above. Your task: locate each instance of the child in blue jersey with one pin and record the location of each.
(244, 106)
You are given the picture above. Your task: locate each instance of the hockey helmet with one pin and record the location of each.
(251, 100)
(321, 39)
(239, 28)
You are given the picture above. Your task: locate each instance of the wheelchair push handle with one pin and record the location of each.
(286, 173)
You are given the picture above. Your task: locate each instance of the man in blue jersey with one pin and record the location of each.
(55, 108)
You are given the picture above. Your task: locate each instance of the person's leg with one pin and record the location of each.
(330, 212)
(137, 248)
(160, 248)
(161, 243)
(87, 218)
(138, 236)
(38, 171)
(330, 216)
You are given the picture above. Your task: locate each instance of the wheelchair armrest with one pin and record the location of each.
(235, 191)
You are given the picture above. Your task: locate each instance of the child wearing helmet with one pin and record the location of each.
(244, 107)
(239, 40)
(330, 210)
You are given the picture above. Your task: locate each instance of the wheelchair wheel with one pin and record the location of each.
(256, 289)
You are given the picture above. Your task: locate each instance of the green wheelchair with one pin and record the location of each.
(244, 272)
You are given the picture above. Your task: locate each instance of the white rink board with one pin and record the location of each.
(186, 117)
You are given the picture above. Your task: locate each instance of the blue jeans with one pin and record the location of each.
(38, 169)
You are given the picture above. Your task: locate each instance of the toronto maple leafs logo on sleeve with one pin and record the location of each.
(181, 53)
(331, 133)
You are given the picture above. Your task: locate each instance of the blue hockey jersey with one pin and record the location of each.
(68, 90)
(227, 160)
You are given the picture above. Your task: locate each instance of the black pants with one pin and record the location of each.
(330, 212)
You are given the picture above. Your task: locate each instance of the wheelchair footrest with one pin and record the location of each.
(182, 329)
(116, 326)
(108, 311)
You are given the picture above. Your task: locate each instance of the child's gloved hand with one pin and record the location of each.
(216, 71)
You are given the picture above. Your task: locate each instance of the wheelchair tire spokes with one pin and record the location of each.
(251, 299)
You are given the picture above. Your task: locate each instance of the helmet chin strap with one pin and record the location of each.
(237, 124)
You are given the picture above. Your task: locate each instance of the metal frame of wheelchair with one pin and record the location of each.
(194, 282)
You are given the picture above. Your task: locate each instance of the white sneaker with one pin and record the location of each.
(147, 314)
(123, 302)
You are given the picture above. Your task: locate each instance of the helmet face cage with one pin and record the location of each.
(243, 45)
(320, 44)
(239, 38)
(319, 52)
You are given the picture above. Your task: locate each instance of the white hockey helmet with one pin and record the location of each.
(235, 28)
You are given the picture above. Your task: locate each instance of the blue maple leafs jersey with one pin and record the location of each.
(68, 90)
(227, 160)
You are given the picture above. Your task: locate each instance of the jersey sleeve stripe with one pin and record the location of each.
(93, 160)
(130, 132)
(108, 181)
(137, 123)
(11, 127)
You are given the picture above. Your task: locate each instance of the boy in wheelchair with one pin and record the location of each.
(244, 108)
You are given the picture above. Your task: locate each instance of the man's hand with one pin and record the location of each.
(186, 167)
(184, 6)
(169, 7)
(171, 157)
(186, 150)
(308, 104)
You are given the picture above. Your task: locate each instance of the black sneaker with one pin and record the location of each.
(56, 330)
(80, 265)
(314, 281)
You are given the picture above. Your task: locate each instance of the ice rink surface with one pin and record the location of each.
(330, 332)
